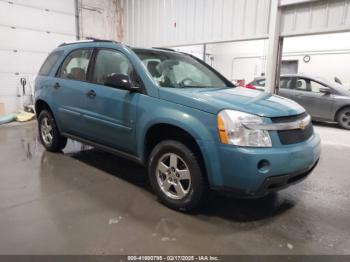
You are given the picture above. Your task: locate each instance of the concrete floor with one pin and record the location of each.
(89, 202)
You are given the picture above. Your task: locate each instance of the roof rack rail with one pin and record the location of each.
(164, 48)
(87, 40)
(100, 40)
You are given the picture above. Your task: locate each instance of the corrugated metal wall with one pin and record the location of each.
(187, 22)
(316, 17)
(184, 22)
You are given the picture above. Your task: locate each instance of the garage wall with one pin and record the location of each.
(29, 30)
(101, 19)
(316, 17)
(247, 60)
(188, 22)
(185, 22)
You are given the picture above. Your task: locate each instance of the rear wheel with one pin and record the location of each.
(48, 132)
(343, 118)
(176, 176)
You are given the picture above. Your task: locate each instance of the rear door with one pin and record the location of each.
(70, 87)
(317, 104)
(286, 87)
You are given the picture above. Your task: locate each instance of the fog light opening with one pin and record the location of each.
(264, 166)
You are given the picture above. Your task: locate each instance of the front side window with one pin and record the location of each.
(309, 85)
(75, 66)
(170, 69)
(315, 87)
(110, 62)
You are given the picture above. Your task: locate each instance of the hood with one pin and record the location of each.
(213, 100)
(342, 90)
(346, 91)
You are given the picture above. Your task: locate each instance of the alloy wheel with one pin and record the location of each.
(345, 119)
(46, 131)
(173, 176)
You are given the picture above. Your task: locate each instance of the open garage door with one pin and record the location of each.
(29, 31)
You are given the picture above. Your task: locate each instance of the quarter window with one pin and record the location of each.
(75, 66)
(110, 62)
(49, 63)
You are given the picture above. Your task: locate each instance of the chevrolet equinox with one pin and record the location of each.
(171, 112)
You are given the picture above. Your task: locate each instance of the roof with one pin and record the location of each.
(93, 40)
(316, 78)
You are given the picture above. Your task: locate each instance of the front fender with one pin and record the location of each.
(200, 125)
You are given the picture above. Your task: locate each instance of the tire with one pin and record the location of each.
(47, 126)
(192, 190)
(343, 118)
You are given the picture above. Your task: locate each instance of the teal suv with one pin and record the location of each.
(169, 111)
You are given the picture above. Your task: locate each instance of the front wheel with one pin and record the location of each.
(343, 118)
(176, 176)
(49, 134)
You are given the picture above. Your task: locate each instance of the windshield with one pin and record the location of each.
(176, 70)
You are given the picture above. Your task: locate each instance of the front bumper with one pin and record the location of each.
(241, 171)
(276, 183)
(270, 184)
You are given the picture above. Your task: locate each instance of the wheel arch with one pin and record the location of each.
(165, 131)
(339, 110)
(41, 105)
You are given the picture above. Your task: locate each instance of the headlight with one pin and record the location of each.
(232, 130)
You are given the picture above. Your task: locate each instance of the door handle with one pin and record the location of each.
(91, 94)
(56, 86)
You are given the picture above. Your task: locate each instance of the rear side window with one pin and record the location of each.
(286, 83)
(75, 66)
(50, 61)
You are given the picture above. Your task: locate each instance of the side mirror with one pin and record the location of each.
(325, 90)
(120, 81)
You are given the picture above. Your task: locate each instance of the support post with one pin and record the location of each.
(204, 52)
(77, 19)
(275, 46)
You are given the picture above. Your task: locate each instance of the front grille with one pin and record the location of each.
(288, 137)
(286, 119)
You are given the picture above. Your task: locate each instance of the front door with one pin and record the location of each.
(110, 112)
(317, 104)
